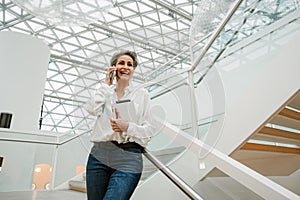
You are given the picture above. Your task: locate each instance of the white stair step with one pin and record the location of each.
(77, 185)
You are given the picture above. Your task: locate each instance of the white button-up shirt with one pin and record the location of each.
(101, 106)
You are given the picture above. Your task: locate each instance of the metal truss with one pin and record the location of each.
(158, 30)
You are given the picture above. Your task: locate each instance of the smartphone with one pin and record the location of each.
(112, 75)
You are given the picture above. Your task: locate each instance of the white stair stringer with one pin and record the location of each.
(254, 181)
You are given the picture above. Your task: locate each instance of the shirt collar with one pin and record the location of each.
(128, 89)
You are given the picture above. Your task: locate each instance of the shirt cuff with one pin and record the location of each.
(130, 128)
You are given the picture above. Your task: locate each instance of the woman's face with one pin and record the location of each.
(125, 67)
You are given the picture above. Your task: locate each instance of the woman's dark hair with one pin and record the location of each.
(132, 54)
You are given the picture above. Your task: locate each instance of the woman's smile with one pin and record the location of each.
(125, 72)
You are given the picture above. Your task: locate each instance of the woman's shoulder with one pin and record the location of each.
(105, 87)
(141, 90)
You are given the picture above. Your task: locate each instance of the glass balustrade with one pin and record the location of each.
(41, 160)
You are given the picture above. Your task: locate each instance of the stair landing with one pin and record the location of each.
(43, 195)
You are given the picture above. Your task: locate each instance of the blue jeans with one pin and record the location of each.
(112, 173)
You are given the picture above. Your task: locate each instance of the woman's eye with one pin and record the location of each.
(123, 63)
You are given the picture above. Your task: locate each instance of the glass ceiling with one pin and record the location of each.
(158, 30)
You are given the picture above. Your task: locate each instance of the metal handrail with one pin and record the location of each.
(215, 34)
(225, 46)
(172, 176)
(202, 53)
(181, 53)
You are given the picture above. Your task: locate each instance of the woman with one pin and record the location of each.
(115, 163)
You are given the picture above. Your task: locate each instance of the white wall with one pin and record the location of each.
(24, 63)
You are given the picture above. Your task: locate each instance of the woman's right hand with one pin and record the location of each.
(108, 79)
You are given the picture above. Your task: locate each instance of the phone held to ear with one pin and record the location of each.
(112, 75)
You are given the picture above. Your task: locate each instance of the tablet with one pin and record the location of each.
(127, 110)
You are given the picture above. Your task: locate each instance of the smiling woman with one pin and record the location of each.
(123, 64)
(115, 163)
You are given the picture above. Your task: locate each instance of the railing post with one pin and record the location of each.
(193, 106)
(54, 164)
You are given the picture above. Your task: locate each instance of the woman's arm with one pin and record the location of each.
(94, 105)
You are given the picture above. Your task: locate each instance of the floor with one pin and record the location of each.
(43, 195)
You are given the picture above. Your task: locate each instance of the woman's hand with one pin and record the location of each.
(119, 124)
(108, 79)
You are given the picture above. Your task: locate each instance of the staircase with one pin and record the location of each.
(165, 156)
(274, 149)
